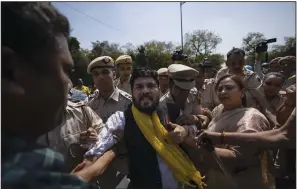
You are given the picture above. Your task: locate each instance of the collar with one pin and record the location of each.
(170, 99)
(115, 95)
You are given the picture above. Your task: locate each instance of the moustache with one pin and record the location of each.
(146, 96)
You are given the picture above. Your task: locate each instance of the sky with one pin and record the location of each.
(139, 22)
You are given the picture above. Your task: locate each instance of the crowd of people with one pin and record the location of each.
(172, 128)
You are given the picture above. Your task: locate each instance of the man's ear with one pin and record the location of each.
(10, 72)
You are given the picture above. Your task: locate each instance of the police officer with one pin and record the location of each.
(124, 65)
(182, 102)
(288, 67)
(163, 80)
(206, 89)
(109, 99)
(77, 134)
(254, 97)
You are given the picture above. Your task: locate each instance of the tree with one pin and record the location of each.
(158, 53)
(81, 61)
(217, 60)
(288, 49)
(201, 42)
(105, 48)
(249, 44)
(141, 59)
(250, 41)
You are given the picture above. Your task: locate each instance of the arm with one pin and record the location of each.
(98, 158)
(257, 66)
(283, 137)
(106, 139)
(98, 167)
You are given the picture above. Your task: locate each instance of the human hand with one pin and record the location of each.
(187, 120)
(88, 137)
(204, 120)
(178, 133)
(206, 139)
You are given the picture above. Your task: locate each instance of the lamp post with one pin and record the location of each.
(181, 25)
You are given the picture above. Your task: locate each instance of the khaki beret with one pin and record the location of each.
(123, 59)
(163, 72)
(183, 76)
(101, 62)
(275, 60)
(287, 59)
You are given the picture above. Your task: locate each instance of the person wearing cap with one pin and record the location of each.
(73, 138)
(182, 102)
(288, 67)
(144, 126)
(80, 86)
(124, 65)
(108, 100)
(163, 80)
(206, 89)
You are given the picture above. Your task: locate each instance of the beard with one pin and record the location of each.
(149, 108)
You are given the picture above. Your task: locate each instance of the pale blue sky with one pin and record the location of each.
(144, 21)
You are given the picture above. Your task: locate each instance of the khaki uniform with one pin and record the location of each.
(290, 81)
(118, 101)
(79, 118)
(163, 72)
(252, 83)
(192, 105)
(115, 176)
(162, 94)
(123, 86)
(209, 98)
(184, 77)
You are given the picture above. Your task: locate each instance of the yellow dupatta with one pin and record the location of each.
(178, 162)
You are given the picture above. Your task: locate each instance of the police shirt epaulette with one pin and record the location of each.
(125, 94)
(77, 104)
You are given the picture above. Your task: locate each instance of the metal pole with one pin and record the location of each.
(181, 26)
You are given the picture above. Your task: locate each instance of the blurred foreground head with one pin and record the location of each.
(35, 67)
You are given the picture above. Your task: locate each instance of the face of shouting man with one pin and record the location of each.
(146, 94)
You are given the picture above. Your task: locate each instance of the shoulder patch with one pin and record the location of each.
(76, 104)
(194, 91)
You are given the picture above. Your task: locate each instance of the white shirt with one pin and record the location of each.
(116, 124)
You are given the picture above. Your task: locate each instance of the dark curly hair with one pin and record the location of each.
(143, 72)
(31, 29)
(235, 51)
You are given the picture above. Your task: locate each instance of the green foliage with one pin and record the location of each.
(253, 38)
(199, 45)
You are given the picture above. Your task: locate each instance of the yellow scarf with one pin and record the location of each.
(178, 162)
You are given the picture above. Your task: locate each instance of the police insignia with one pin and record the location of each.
(106, 60)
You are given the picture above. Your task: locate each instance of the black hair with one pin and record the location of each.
(278, 74)
(235, 51)
(31, 28)
(143, 72)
